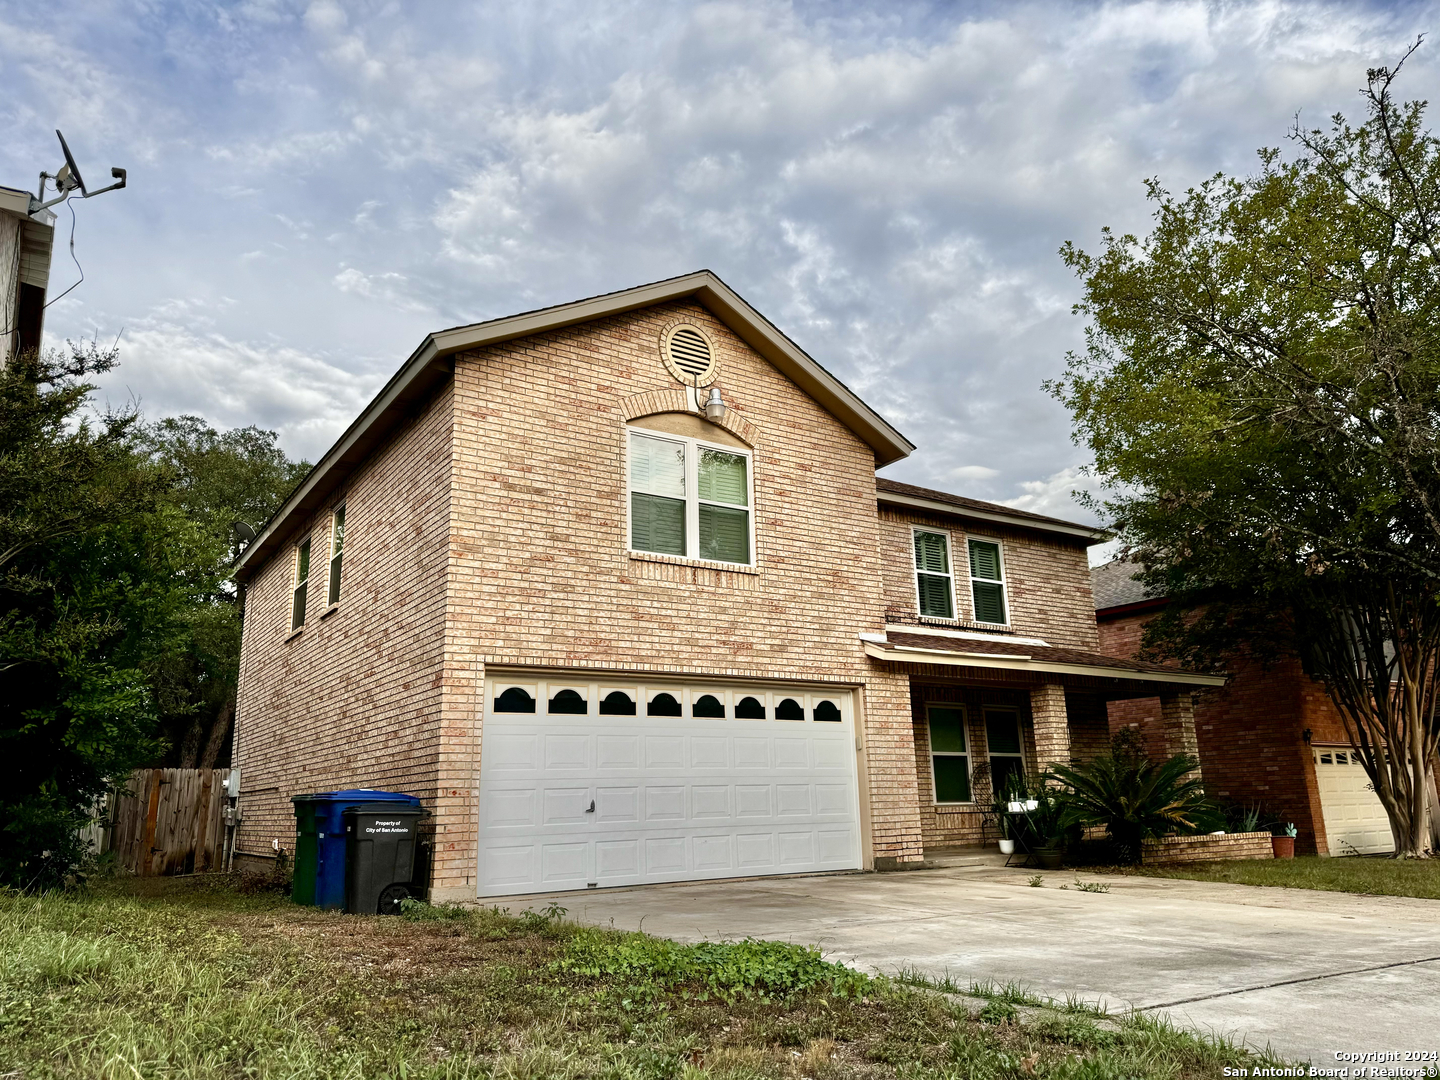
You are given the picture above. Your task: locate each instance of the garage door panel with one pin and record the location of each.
(666, 752)
(617, 752)
(674, 798)
(710, 801)
(568, 752)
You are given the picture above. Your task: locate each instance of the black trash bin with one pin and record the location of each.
(380, 843)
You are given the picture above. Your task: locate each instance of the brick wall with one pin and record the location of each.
(1249, 732)
(1047, 586)
(1176, 850)
(351, 700)
(541, 576)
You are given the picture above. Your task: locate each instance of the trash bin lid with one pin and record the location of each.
(358, 795)
(384, 808)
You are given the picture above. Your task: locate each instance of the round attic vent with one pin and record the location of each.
(689, 354)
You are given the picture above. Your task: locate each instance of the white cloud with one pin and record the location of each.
(972, 472)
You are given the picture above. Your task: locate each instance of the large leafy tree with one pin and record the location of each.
(221, 478)
(91, 585)
(1261, 393)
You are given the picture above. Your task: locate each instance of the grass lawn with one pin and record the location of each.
(1378, 877)
(193, 978)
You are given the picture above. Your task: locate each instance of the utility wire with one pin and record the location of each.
(67, 292)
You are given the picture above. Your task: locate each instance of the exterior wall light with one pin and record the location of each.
(715, 408)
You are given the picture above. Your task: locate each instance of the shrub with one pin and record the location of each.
(1133, 798)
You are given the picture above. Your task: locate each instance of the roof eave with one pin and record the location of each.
(946, 657)
(912, 502)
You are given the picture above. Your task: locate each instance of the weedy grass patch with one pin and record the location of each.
(194, 979)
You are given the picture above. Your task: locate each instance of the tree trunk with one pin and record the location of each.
(218, 732)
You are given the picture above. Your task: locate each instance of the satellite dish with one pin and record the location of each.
(243, 532)
(68, 178)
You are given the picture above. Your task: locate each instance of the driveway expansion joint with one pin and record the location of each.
(1290, 982)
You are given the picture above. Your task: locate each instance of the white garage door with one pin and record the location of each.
(616, 783)
(1355, 821)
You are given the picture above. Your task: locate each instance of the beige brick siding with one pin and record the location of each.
(352, 700)
(1047, 586)
(540, 572)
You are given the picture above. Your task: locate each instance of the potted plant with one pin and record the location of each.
(1048, 825)
(1284, 846)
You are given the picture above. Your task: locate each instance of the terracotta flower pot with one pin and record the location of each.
(1283, 846)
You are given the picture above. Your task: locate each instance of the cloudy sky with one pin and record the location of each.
(314, 186)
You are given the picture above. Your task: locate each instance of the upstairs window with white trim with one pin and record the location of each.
(987, 581)
(337, 551)
(690, 499)
(934, 583)
(302, 579)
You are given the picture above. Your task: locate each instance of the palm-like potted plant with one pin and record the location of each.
(1283, 847)
(1133, 797)
(1050, 824)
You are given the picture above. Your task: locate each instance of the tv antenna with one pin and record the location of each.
(67, 180)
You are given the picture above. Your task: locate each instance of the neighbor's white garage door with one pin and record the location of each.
(1355, 820)
(645, 783)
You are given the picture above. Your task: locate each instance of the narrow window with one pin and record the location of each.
(657, 495)
(1002, 737)
(302, 576)
(949, 754)
(933, 581)
(617, 703)
(789, 709)
(337, 547)
(827, 712)
(568, 703)
(708, 706)
(663, 705)
(724, 491)
(987, 581)
(749, 708)
(515, 700)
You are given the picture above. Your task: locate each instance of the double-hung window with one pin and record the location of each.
(934, 582)
(987, 581)
(337, 550)
(949, 754)
(690, 499)
(302, 578)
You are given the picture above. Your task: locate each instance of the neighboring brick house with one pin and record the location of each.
(1270, 736)
(614, 588)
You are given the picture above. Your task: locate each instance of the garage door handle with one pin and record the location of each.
(592, 807)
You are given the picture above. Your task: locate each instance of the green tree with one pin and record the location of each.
(220, 478)
(1261, 393)
(91, 583)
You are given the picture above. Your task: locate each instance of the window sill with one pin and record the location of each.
(295, 633)
(965, 624)
(330, 610)
(957, 806)
(680, 560)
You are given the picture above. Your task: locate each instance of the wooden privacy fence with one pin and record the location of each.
(170, 821)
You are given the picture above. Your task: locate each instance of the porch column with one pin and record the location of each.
(1177, 724)
(1052, 726)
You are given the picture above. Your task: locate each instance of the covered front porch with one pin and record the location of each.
(988, 711)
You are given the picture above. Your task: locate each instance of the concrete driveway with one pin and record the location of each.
(1307, 973)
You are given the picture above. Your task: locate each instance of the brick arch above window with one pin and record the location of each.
(655, 402)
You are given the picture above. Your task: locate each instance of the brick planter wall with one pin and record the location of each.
(1173, 850)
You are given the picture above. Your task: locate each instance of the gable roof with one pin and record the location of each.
(917, 498)
(430, 364)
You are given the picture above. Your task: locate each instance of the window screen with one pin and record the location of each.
(949, 754)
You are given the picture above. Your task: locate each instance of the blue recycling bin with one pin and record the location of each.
(320, 842)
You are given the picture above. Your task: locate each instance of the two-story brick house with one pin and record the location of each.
(614, 588)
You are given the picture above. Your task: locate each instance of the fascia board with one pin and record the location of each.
(419, 361)
(1094, 536)
(904, 653)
